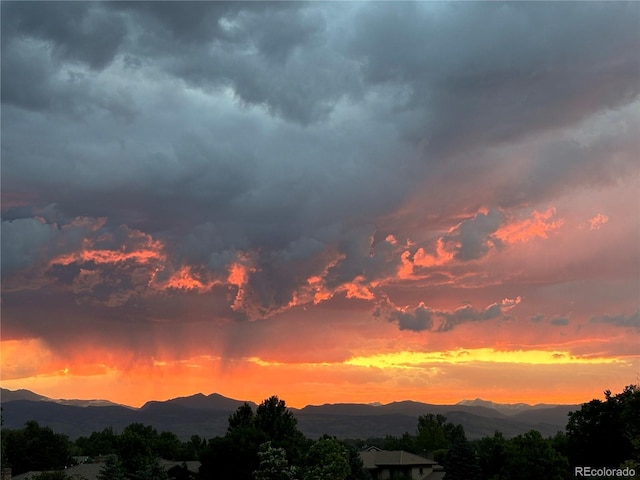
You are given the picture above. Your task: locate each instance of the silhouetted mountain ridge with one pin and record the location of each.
(214, 401)
(506, 408)
(207, 416)
(22, 394)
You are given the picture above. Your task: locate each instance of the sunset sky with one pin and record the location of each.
(330, 202)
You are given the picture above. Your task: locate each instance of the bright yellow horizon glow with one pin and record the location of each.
(441, 377)
(412, 360)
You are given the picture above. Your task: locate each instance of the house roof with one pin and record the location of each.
(380, 458)
(90, 471)
(26, 475)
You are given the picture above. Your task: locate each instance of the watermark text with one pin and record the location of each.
(604, 472)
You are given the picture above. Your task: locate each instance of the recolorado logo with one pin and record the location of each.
(604, 472)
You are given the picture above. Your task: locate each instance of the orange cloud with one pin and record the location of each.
(358, 289)
(239, 276)
(184, 279)
(539, 225)
(137, 246)
(442, 256)
(597, 221)
(421, 258)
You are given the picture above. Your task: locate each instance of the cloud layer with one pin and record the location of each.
(431, 166)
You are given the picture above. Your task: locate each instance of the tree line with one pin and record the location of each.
(266, 444)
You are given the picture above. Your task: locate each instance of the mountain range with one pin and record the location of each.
(207, 416)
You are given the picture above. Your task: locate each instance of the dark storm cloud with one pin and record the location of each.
(33, 242)
(288, 133)
(624, 321)
(426, 318)
(487, 87)
(78, 32)
(271, 54)
(473, 238)
(421, 318)
(22, 240)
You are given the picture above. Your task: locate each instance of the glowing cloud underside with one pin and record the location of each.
(462, 356)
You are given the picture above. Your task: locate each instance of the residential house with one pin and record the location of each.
(391, 464)
(90, 470)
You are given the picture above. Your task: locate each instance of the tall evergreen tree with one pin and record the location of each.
(460, 462)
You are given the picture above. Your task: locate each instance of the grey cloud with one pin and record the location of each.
(281, 129)
(487, 88)
(477, 72)
(584, 158)
(182, 22)
(624, 321)
(270, 54)
(537, 318)
(28, 87)
(139, 328)
(421, 318)
(30, 243)
(287, 28)
(23, 240)
(78, 31)
(469, 314)
(426, 318)
(473, 237)
(38, 256)
(38, 83)
(559, 321)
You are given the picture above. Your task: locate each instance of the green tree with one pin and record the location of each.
(531, 457)
(36, 448)
(112, 469)
(273, 464)
(180, 472)
(275, 420)
(232, 457)
(406, 442)
(606, 433)
(134, 448)
(194, 447)
(356, 466)
(454, 433)
(242, 418)
(491, 453)
(138, 449)
(167, 445)
(278, 425)
(98, 443)
(235, 456)
(431, 433)
(327, 459)
(460, 462)
(152, 470)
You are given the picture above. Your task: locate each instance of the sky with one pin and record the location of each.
(329, 202)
